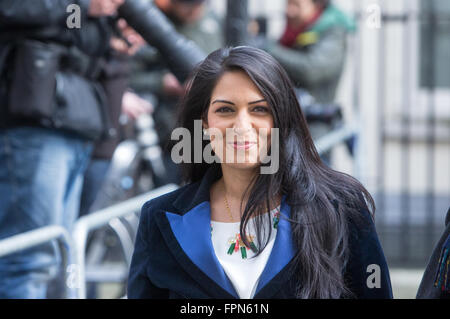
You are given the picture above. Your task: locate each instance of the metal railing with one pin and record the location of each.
(335, 137)
(38, 237)
(74, 243)
(34, 238)
(98, 219)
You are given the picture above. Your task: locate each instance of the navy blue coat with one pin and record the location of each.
(174, 256)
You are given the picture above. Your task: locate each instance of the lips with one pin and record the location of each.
(243, 145)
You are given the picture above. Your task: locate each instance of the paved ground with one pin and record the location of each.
(405, 283)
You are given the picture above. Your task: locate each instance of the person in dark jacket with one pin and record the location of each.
(435, 282)
(114, 78)
(43, 155)
(150, 75)
(260, 216)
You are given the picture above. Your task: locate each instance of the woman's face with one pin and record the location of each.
(239, 120)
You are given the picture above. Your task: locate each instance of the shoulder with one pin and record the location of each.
(167, 201)
(362, 233)
(333, 18)
(363, 241)
(366, 270)
(152, 209)
(361, 223)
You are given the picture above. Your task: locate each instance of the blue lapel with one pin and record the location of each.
(283, 248)
(192, 230)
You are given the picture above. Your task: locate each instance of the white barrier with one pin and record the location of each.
(100, 218)
(37, 237)
(75, 244)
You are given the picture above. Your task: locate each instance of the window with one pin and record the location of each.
(434, 43)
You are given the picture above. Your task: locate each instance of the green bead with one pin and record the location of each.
(275, 223)
(231, 249)
(253, 247)
(243, 252)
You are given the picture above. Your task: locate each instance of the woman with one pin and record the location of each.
(300, 231)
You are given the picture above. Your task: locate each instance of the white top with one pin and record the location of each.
(244, 274)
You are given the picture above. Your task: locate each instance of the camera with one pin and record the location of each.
(181, 54)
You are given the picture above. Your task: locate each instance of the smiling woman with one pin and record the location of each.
(238, 112)
(303, 231)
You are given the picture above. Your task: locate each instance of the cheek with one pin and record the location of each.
(216, 125)
(264, 132)
(216, 131)
(265, 124)
(264, 141)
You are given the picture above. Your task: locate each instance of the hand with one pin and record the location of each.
(134, 106)
(135, 41)
(171, 85)
(101, 8)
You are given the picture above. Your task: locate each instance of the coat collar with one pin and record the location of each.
(189, 199)
(188, 235)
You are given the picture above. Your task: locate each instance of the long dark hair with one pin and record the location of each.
(321, 200)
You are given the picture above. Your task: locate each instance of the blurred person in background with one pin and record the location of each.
(312, 49)
(46, 134)
(150, 76)
(114, 78)
(435, 282)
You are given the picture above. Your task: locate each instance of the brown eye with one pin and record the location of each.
(260, 109)
(224, 109)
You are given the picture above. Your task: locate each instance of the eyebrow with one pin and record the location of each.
(228, 102)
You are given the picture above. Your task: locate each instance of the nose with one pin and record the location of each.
(243, 123)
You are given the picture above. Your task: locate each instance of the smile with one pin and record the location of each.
(243, 145)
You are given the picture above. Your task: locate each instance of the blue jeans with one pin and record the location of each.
(41, 173)
(94, 178)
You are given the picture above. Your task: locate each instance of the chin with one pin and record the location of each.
(243, 166)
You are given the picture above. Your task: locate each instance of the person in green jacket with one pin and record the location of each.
(312, 50)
